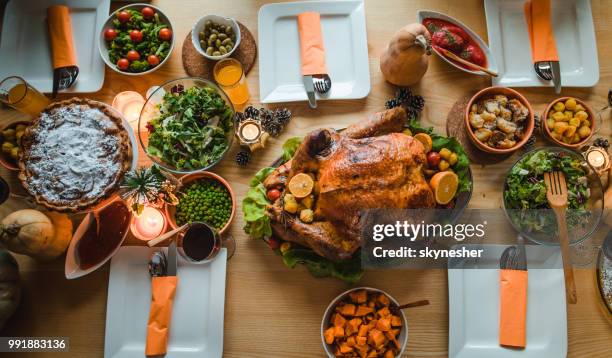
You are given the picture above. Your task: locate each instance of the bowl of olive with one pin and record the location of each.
(10, 140)
(215, 37)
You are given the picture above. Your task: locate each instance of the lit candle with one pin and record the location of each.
(250, 131)
(129, 103)
(149, 224)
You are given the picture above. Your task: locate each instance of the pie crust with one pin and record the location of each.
(74, 155)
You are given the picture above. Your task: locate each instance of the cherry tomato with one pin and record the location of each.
(124, 16)
(136, 35)
(165, 34)
(123, 64)
(273, 243)
(133, 55)
(147, 13)
(433, 159)
(153, 60)
(273, 194)
(110, 34)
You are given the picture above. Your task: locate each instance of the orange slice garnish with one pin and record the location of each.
(425, 139)
(301, 185)
(444, 186)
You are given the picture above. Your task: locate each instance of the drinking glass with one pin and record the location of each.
(17, 93)
(208, 242)
(229, 75)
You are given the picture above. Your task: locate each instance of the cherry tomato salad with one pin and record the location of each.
(137, 40)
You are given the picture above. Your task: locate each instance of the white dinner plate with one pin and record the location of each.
(346, 50)
(474, 306)
(574, 34)
(196, 329)
(25, 50)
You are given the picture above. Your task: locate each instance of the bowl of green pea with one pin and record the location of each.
(204, 197)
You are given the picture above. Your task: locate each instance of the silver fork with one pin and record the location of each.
(544, 70)
(322, 83)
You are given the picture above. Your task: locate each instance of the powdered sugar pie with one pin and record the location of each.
(74, 155)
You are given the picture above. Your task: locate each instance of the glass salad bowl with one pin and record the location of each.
(186, 125)
(526, 206)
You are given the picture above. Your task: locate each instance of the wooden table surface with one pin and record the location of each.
(274, 311)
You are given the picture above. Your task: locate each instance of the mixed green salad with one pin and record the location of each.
(193, 128)
(137, 40)
(258, 223)
(525, 189)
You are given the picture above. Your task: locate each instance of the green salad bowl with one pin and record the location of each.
(524, 196)
(186, 125)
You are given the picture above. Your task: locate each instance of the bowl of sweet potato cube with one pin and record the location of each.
(363, 322)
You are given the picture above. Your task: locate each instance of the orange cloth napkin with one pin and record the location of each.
(541, 36)
(60, 33)
(160, 314)
(311, 44)
(512, 308)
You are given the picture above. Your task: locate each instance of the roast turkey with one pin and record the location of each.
(369, 165)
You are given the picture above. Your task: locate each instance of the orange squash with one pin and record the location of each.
(406, 58)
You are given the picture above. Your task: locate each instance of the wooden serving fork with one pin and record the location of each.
(556, 193)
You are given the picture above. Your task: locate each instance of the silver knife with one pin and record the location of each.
(556, 75)
(309, 86)
(171, 270)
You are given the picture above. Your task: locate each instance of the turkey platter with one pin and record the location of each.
(335, 175)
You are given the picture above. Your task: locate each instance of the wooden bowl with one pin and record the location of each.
(547, 133)
(171, 209)
(490, 92)
(5, 160)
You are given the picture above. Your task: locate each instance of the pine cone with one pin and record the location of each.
(530, 142)
(239, 117)
(282, 116)
(602, 143)
(392, 103)
(271, 126)
(243, 157)
(403, 94)
(251, 112)
(416, 102)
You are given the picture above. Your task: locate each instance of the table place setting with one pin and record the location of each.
(225, 198)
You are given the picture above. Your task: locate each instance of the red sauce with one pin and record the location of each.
(453, 38)
(114, 221)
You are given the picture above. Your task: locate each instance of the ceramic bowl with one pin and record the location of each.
(199, 27)
(103, 45)
(72, 269)
(171, 210)
(491, 64)
(5, 160)
(490, 92)
(548, 134)
(403, 336)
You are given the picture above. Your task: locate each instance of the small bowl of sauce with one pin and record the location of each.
(97, 239)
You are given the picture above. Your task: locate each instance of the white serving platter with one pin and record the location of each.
(346, 50)
(474, 306)
(25, 50)
(574, 34)
(197, 315)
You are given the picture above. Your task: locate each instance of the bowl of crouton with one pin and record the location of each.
(364, 322)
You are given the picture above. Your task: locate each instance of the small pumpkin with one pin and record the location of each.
(406, 58)
(10, 288)
(30, 232)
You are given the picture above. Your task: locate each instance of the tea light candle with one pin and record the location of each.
(250, 132)
(149, 224)
(129, 103)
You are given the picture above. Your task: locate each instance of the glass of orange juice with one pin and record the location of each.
(17, 93)
(230, 77)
